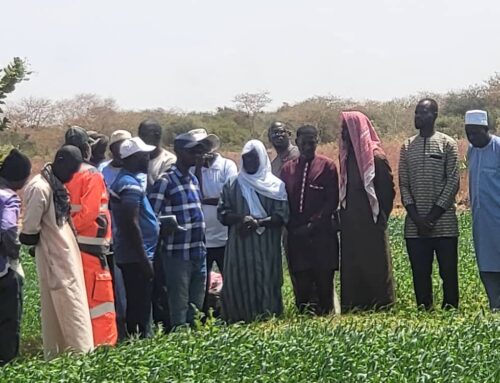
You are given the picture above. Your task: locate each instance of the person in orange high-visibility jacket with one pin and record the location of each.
(92, 223)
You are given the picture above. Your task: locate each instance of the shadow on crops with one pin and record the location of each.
(31, 347)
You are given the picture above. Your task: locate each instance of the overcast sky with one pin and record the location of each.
(196, 55)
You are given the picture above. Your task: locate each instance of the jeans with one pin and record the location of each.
(139, 291)
(421, 252)
(491, 282)
(11, 307)
(186, 288)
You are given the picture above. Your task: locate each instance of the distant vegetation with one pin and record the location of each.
(10, 76)
(36, 124)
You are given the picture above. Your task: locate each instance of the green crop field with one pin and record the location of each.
(403, 345)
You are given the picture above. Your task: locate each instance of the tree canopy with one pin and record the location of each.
(246, 118)
(12, 74)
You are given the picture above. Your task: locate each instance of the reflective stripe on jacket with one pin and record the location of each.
(89, 210)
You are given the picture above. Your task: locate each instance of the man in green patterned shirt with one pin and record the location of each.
(429, 180)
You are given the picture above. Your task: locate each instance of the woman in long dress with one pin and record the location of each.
(366, 200)
(254, 206)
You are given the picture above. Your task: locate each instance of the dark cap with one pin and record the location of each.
(15, 167)
(68, 154)
(78, 137)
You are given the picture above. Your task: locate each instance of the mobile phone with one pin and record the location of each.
(171, 221)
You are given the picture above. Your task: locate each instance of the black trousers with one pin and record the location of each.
(421, 252)
(11, 307)
(214, 255)
(491, 282)
(314, 290)
(161, 313)
(139, 294)
(120, 299)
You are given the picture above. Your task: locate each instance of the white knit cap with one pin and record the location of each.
(476, 117)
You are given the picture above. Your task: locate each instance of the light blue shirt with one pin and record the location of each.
(484, 194)
(109, 172)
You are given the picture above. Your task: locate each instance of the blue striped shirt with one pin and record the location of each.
(128, 190)
(177, 194)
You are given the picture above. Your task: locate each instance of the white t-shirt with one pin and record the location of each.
(213, 179)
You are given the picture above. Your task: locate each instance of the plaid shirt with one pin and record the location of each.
(177, 194)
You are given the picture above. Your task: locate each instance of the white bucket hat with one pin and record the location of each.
(119, 135)
(199, 136)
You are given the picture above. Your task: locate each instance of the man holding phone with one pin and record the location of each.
(183, 253)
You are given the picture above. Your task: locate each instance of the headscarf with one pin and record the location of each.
(60, 194)
(68, 157)
(263, 182)
(364, 141)
(15, 166)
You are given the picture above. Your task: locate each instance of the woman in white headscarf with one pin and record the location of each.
(254, 206)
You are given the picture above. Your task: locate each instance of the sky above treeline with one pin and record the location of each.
(198, 54)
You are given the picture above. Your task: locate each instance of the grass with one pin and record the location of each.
(402, 345)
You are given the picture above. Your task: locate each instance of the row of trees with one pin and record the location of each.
(37, 120)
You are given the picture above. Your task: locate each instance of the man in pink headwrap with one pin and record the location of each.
(366, 197)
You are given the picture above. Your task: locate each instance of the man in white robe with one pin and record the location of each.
(66, 324)
(484, 189)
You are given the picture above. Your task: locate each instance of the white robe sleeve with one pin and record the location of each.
(35, 206)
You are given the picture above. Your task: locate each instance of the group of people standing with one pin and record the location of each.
(124, 243)
(357, 202)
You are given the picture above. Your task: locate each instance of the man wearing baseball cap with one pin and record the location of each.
(135, 235)
(484, 189)
(110, 170)
(183, 249)
(77, 136)
(92, 223)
